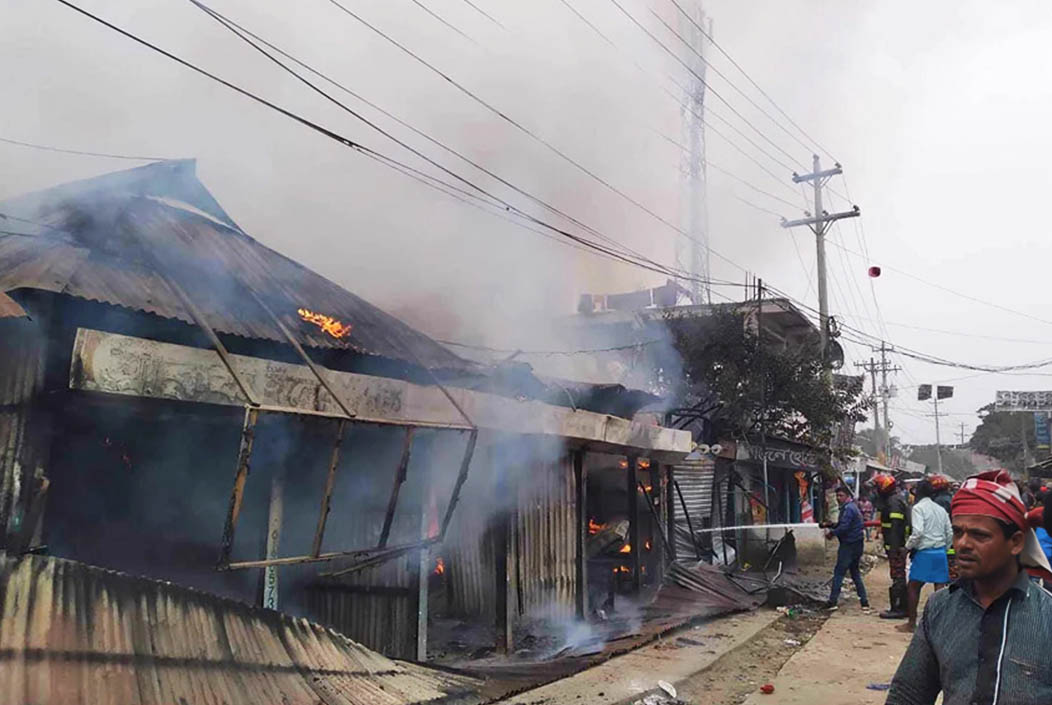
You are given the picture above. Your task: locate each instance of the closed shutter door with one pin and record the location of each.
(694, 478)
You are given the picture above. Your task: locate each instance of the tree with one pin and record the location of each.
(1001, 433)
(746, 385)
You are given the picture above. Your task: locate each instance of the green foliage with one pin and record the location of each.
(1000, 434)
(749, 385)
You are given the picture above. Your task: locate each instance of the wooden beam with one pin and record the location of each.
(668, 508)
(244, 455)
(632, 489)
(423, 577)
(399, 480)
(505, 641)
(136, 367)
(326, 498)
(580, 476)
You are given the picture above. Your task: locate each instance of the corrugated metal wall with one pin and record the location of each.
(544, 538)
(695, 480)
(384, 619)
(23, 438)
(542, 552)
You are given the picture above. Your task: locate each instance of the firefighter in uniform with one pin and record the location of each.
(894, 527)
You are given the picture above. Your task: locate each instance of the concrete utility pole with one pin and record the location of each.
(883, 367)
(885, 392)
(962, 434)
(819, 224)
(871, 368)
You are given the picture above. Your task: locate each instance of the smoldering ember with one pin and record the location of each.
(411, 353)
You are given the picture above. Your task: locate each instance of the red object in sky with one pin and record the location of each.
(874, 271)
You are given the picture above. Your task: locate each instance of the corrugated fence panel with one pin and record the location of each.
(23, 444)
(695, 480)
(545, 540)
(71, 634)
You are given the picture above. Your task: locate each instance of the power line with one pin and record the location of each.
(80, 152)
(366, 151)
(428, 10)
(730, 82)
(950, 291)
(694, 73)
(485, 14)
(511, 121)
(750, 79)
(759, 208)
(683, 105)
(240, 30)
(373, 154)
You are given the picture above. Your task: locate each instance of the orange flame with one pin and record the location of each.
(594, 527)
(647, 545)
(649, 489)
(627, 548)
(621, 569)
(327, 323)
(440, 566)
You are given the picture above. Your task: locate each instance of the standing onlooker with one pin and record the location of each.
(866, 507)
(894, 527)
(930, 536)
(849, 530)
(985, 639)
(942, 495)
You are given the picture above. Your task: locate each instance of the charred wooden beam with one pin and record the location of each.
(399, 480)
(631, 481)
(668, 508)
(244, 456)
(465, 463)
(690, 524)
(370, 556)
(580, 475)
(326, 498)
(423, 575)
(199, 319)
(502, 547)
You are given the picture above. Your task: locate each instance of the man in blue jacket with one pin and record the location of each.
(849, 530)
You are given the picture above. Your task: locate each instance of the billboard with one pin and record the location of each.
(1023, 401)
(1042, 437)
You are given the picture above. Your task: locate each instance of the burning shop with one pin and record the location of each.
(182, 403)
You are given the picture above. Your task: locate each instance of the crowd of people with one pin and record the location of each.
(983, 640)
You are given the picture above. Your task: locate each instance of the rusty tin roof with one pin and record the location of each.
(72, 633)
(105, 238)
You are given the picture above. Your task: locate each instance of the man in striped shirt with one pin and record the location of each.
(984, 641)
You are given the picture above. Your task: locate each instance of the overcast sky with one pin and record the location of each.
(938, 111)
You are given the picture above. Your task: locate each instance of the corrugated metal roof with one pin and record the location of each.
(71, 633)
(97, 240)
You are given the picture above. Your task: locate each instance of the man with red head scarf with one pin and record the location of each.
(984, 641)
